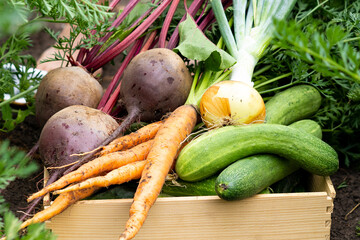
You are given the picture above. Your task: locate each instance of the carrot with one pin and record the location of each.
(166, 144)
(120, 175)
(62, 202)
(97, 166)
(125, 142)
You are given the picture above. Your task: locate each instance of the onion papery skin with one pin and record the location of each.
(231, 103)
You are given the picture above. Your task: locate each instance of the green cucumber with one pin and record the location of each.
(218, 148)
(309, 126)
(206, 187)
(248, 176)
(292, 104)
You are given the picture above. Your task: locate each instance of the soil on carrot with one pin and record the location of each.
(345, 217)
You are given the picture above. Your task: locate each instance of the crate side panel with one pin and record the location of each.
(322, 184)
(276, 216)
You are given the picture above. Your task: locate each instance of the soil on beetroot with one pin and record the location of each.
(345, 217)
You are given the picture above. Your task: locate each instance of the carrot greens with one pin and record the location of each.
(320, 46)
(18, 21)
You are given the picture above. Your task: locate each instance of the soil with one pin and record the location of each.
(345, 217)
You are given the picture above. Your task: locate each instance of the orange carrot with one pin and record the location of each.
(120, 175)
(166, 144)
(98, 166)
(62, 202)
(128, 141)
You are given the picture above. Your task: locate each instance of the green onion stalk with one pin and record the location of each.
(253, 31)
(236, 102)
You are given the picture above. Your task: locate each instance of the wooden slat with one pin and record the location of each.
(266, 216)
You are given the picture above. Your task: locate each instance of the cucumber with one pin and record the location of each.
(218, 148)
(205, 187)
(309, 126)
(248, 176)
(292, 104)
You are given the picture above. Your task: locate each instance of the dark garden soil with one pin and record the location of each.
(346, 181)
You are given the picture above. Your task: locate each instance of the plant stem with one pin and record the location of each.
(330, 61)
(19, 95)
(273, 80)
(99, 62)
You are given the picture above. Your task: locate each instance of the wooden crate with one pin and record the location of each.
(264, 216)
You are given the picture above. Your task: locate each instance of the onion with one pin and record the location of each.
(231, 103)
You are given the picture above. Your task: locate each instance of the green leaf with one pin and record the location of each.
(12, 225)
(194, 45)
(335, 34)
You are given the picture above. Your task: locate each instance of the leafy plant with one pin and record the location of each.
(19, 19)
(321, 47)
(342, 185)
(14, 164)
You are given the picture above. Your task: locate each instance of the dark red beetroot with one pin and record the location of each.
(73, 130)
(154, 83)
(63, 87)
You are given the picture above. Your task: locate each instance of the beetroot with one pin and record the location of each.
(63, 87)
(73, 130)
(154, 83)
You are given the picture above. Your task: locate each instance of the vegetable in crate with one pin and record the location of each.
(155, 82)
(179, 187)
(237, 102)
(215, 150)
(294, 103)
(298, 102)
(248, 176)
(272, 168)
(63, 87)
(73, 130)
(231, 103)
(98, 166)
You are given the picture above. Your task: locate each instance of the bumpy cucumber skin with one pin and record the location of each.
(216, 149)
(309, 126)
(248, 176)
(292, 104)
(206, 187)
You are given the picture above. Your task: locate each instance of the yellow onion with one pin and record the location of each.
(231, 103)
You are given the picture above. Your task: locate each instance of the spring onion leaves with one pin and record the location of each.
(253, 28)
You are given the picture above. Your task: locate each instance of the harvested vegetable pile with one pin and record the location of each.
(235, 134)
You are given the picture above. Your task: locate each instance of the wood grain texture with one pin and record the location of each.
(266, 216)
